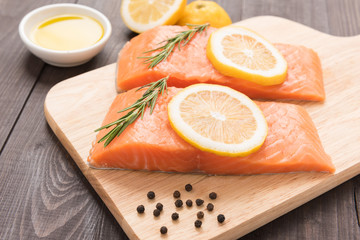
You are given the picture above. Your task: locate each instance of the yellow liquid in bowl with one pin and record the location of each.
(67, 32)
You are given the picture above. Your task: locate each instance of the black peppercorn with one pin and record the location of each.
(213, 195)
(199, 202)
(151, 195)
(140, 209)
(189, 203)
(210, 207)
(178, 203)
(198, 223)
(200, 214)
(188, 187)
(174, 216)
(163, 230)
(159, 206)
(176, 194)
(221, 218)
(156, 212)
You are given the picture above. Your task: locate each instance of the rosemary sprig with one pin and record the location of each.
(137, 109)
(182, 37)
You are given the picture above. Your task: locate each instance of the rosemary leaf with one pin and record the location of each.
(152, 104)
(182, 38)
(137, 109)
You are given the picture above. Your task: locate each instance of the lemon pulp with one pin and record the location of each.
(241, 53)
(217, 119)
(142, 15)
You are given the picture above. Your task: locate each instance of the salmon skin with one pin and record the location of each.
(189, 65)
(292, 144)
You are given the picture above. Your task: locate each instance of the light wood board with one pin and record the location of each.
(77, 106)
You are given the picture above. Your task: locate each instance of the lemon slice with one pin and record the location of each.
(218, 119)
(141, 15)
(238, 52)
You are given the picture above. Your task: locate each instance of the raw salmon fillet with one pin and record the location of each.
(150, 143)
(190, 65)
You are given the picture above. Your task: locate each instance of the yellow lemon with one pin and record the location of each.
(241, 53)
(201, 12)
(141, 15)
(218, 119)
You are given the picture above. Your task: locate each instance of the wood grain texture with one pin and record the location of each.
(343, 17)
(43, 193)
(19, 69)
(322, 218)
(30, 196)
(271, 195)
(309, 13)
(47, 193)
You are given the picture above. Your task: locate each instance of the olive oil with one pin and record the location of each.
(67, 32)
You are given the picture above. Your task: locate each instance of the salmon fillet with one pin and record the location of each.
(150, 143)
(190, 65)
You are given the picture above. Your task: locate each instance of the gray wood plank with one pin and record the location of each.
(332, 215)
(312, 13)
(233, 8)
(357, 198)
(344, 20)
(44, 194)
(19, 69)
(344, 17)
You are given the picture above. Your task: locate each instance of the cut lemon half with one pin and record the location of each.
(141, 15)
(218, 119)
(238, 52)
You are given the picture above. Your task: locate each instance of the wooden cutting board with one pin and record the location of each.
(77, 106)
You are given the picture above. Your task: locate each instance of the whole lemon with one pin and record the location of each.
(201, 12)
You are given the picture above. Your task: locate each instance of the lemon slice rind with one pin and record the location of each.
(169, 18)
(205, 144)
(275, 75)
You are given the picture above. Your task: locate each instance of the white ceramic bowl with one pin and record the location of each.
(63, 58)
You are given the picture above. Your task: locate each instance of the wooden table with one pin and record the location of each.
(43, 194)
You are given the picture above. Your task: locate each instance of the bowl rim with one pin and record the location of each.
(29, 42)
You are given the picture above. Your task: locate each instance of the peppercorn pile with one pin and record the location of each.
(179, 204)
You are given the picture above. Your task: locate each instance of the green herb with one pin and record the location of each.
(137, 109)
(181, 39)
